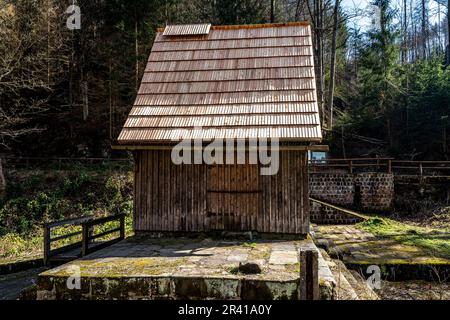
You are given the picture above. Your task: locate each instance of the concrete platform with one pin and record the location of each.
(181, 268)
(359, 249)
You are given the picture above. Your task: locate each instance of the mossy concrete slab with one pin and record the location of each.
(359, 249)
(146, 268)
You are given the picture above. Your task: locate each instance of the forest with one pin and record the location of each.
(384, 88)
(70, 71)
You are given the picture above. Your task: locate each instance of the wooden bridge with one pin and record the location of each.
(89, 239)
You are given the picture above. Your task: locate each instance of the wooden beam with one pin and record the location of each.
(323, 148)
(309, 274)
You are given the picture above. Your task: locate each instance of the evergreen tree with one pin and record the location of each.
(378, 72)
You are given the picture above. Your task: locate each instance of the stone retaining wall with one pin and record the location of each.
(376, 191)
(335, 188)
(368, 191)
(321, 214)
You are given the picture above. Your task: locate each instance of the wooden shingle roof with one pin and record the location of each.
(239, 82)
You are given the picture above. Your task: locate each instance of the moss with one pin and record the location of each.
(293, 268)
(433, 242)
(259, 252)
(249, 245)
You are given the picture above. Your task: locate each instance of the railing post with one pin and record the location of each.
(85, 240)
(47, 244)
(350, 166)
(420, 168)
(309, 274)
(389, 166)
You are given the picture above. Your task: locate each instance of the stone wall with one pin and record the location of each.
(335, 188)
(367, 191)
(376, 191)
(321, 214)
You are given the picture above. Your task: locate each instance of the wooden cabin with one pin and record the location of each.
(224, 82)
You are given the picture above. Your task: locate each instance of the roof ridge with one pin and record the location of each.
(249, 26)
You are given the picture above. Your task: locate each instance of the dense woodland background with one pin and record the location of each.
(384, 90)
(383, 80)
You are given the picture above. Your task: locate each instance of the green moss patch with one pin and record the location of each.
(435, 243)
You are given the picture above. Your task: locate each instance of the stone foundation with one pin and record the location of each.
(368, 191)
(321, 214)
(149, 269)
(157, 288)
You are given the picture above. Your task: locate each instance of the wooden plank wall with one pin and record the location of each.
(285, 205)
(233, 197)
(198, 198)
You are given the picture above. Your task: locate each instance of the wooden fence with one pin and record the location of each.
(350, 165)
(388, 165)
(62, 163)
(87, 244)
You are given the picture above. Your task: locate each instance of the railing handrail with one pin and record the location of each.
(102, 220)
(350, 159)
(88, 235)
(87, 224)
(391, 164)
(422, 161)
(71, 221)
(65, 158)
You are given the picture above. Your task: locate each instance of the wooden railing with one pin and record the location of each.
(351, 165)
(49, 253)
(60, 163)
(89, 236)
(389, 165)
(86, 245)
(421, 168)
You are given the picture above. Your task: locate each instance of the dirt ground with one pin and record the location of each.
(437, 218)
(414, 290)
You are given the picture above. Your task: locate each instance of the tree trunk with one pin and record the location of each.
(315, 13)
(272, 11)
(319, 57)
(333, 62)
(424, 31)
(322, 55)
(2, 181)
(389, 131)
(136, 47)
(85, 94)
(448, 33)
(405, 33)
(444, 140)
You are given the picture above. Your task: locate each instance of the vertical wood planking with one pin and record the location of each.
(305, 214)
(176, 198)
(137, 196)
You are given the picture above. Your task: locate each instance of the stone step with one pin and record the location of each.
(343, 290)
(349, 284)
(344, 283)
(365, 292)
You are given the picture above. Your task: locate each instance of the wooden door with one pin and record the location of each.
(233, 197)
